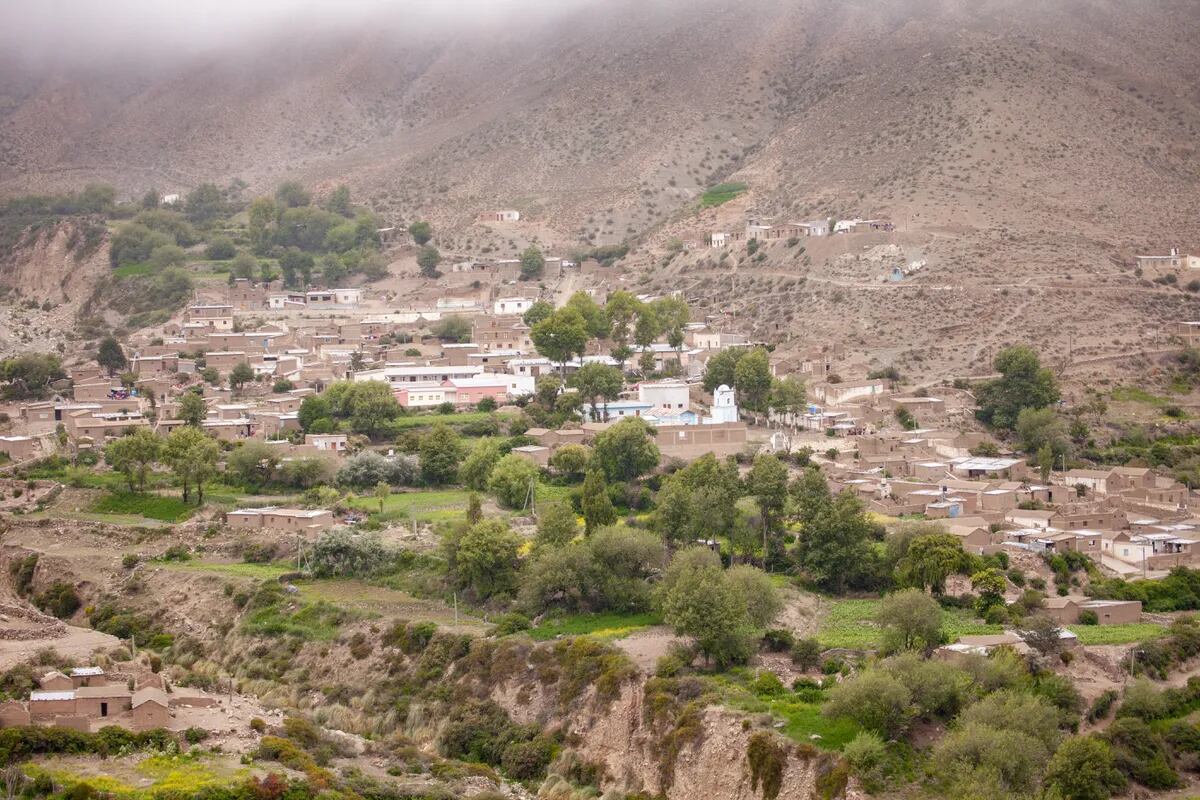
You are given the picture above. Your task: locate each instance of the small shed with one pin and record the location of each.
(150, 709)
(99, 702)
(55, 681)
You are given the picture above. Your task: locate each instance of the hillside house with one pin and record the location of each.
(504, 215)
(283, 519)
(512, 305)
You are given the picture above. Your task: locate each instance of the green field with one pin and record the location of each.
(151, 506)
(1117, 634)
(721, 193)
(426, 420)
(851, 624)
(133, 270)
(802, 720)
(436, 505)
(603, 626)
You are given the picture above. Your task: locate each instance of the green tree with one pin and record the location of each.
(421, 232)
(673, 519)
(220, 248)
(721, 369)
(440, 452)
(560, 336)
(1023, 383)
(597, 508)
(314, 407)
(537, 312)
(252, 464)
(989, 586)
(192, 456)
(339, 202)
(484, 558)
(930, 560)
(752, 380)
(594, 317)
(192, 409)
(571, 460)
(556, 525)
(111, 356)
(598, 383)
(626, 450)
(454, 328)
(428, 259)
(512, 480)
(204, 204)
(767, 481)
(1042, 427)
(1083, 768)
(787, 396)
(1045, 462)
(756, 593)
(674, 315)
(621, 309)
(381, 493)
(262, 215)
(911, 620)
(834, 545)
(244, 266)
(241, 374)
(133, 455)
(697, 600)
(875, 700)
(166, 256)
(477, 467)
(533, 263)
(291, 194)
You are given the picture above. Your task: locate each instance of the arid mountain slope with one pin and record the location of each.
(982, 113)
(1026, 149)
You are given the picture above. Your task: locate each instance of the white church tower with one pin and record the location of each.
(724, 405)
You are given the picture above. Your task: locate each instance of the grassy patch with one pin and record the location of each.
(133, 270)
(386, 602)
(603, 626)
(428, 506)
(721, 193)
(801, 718)
(1127, 633)
(308, 621)
(151, 506)
(1136, 394)
(851, 624)
(155, 776)
(462, 418)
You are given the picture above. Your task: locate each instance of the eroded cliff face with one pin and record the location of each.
(701, 753)
(60, 263)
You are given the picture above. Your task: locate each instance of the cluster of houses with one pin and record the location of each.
(760, 230)
(88, 697)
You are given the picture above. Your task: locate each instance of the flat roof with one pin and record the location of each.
(35, 697)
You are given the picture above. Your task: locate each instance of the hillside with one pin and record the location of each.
(1013, 143)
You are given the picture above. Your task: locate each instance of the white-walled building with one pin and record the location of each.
(508, 306)
(665, 394)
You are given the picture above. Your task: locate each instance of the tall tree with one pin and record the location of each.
(594, 317)
(193, 457)
(192, 409)
(537, 312)
(720, 369)
(1023, 383)
(768, 482)
(133, 455)
(561, 336)
(833, 547)
(621, 309)
(111, 356)
(931, 559)
(533, 263)
(752, 379)
(626, 450)
(421, 232)
(241, 374)
(597, 508)
(598, 383)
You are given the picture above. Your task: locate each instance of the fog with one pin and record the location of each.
(76, 32)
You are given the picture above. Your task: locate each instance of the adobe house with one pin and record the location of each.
(55, 681)
(150, 709)
(47, 705)
(99, 702)
(538, 454)
(13, 714)
(88, 676)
